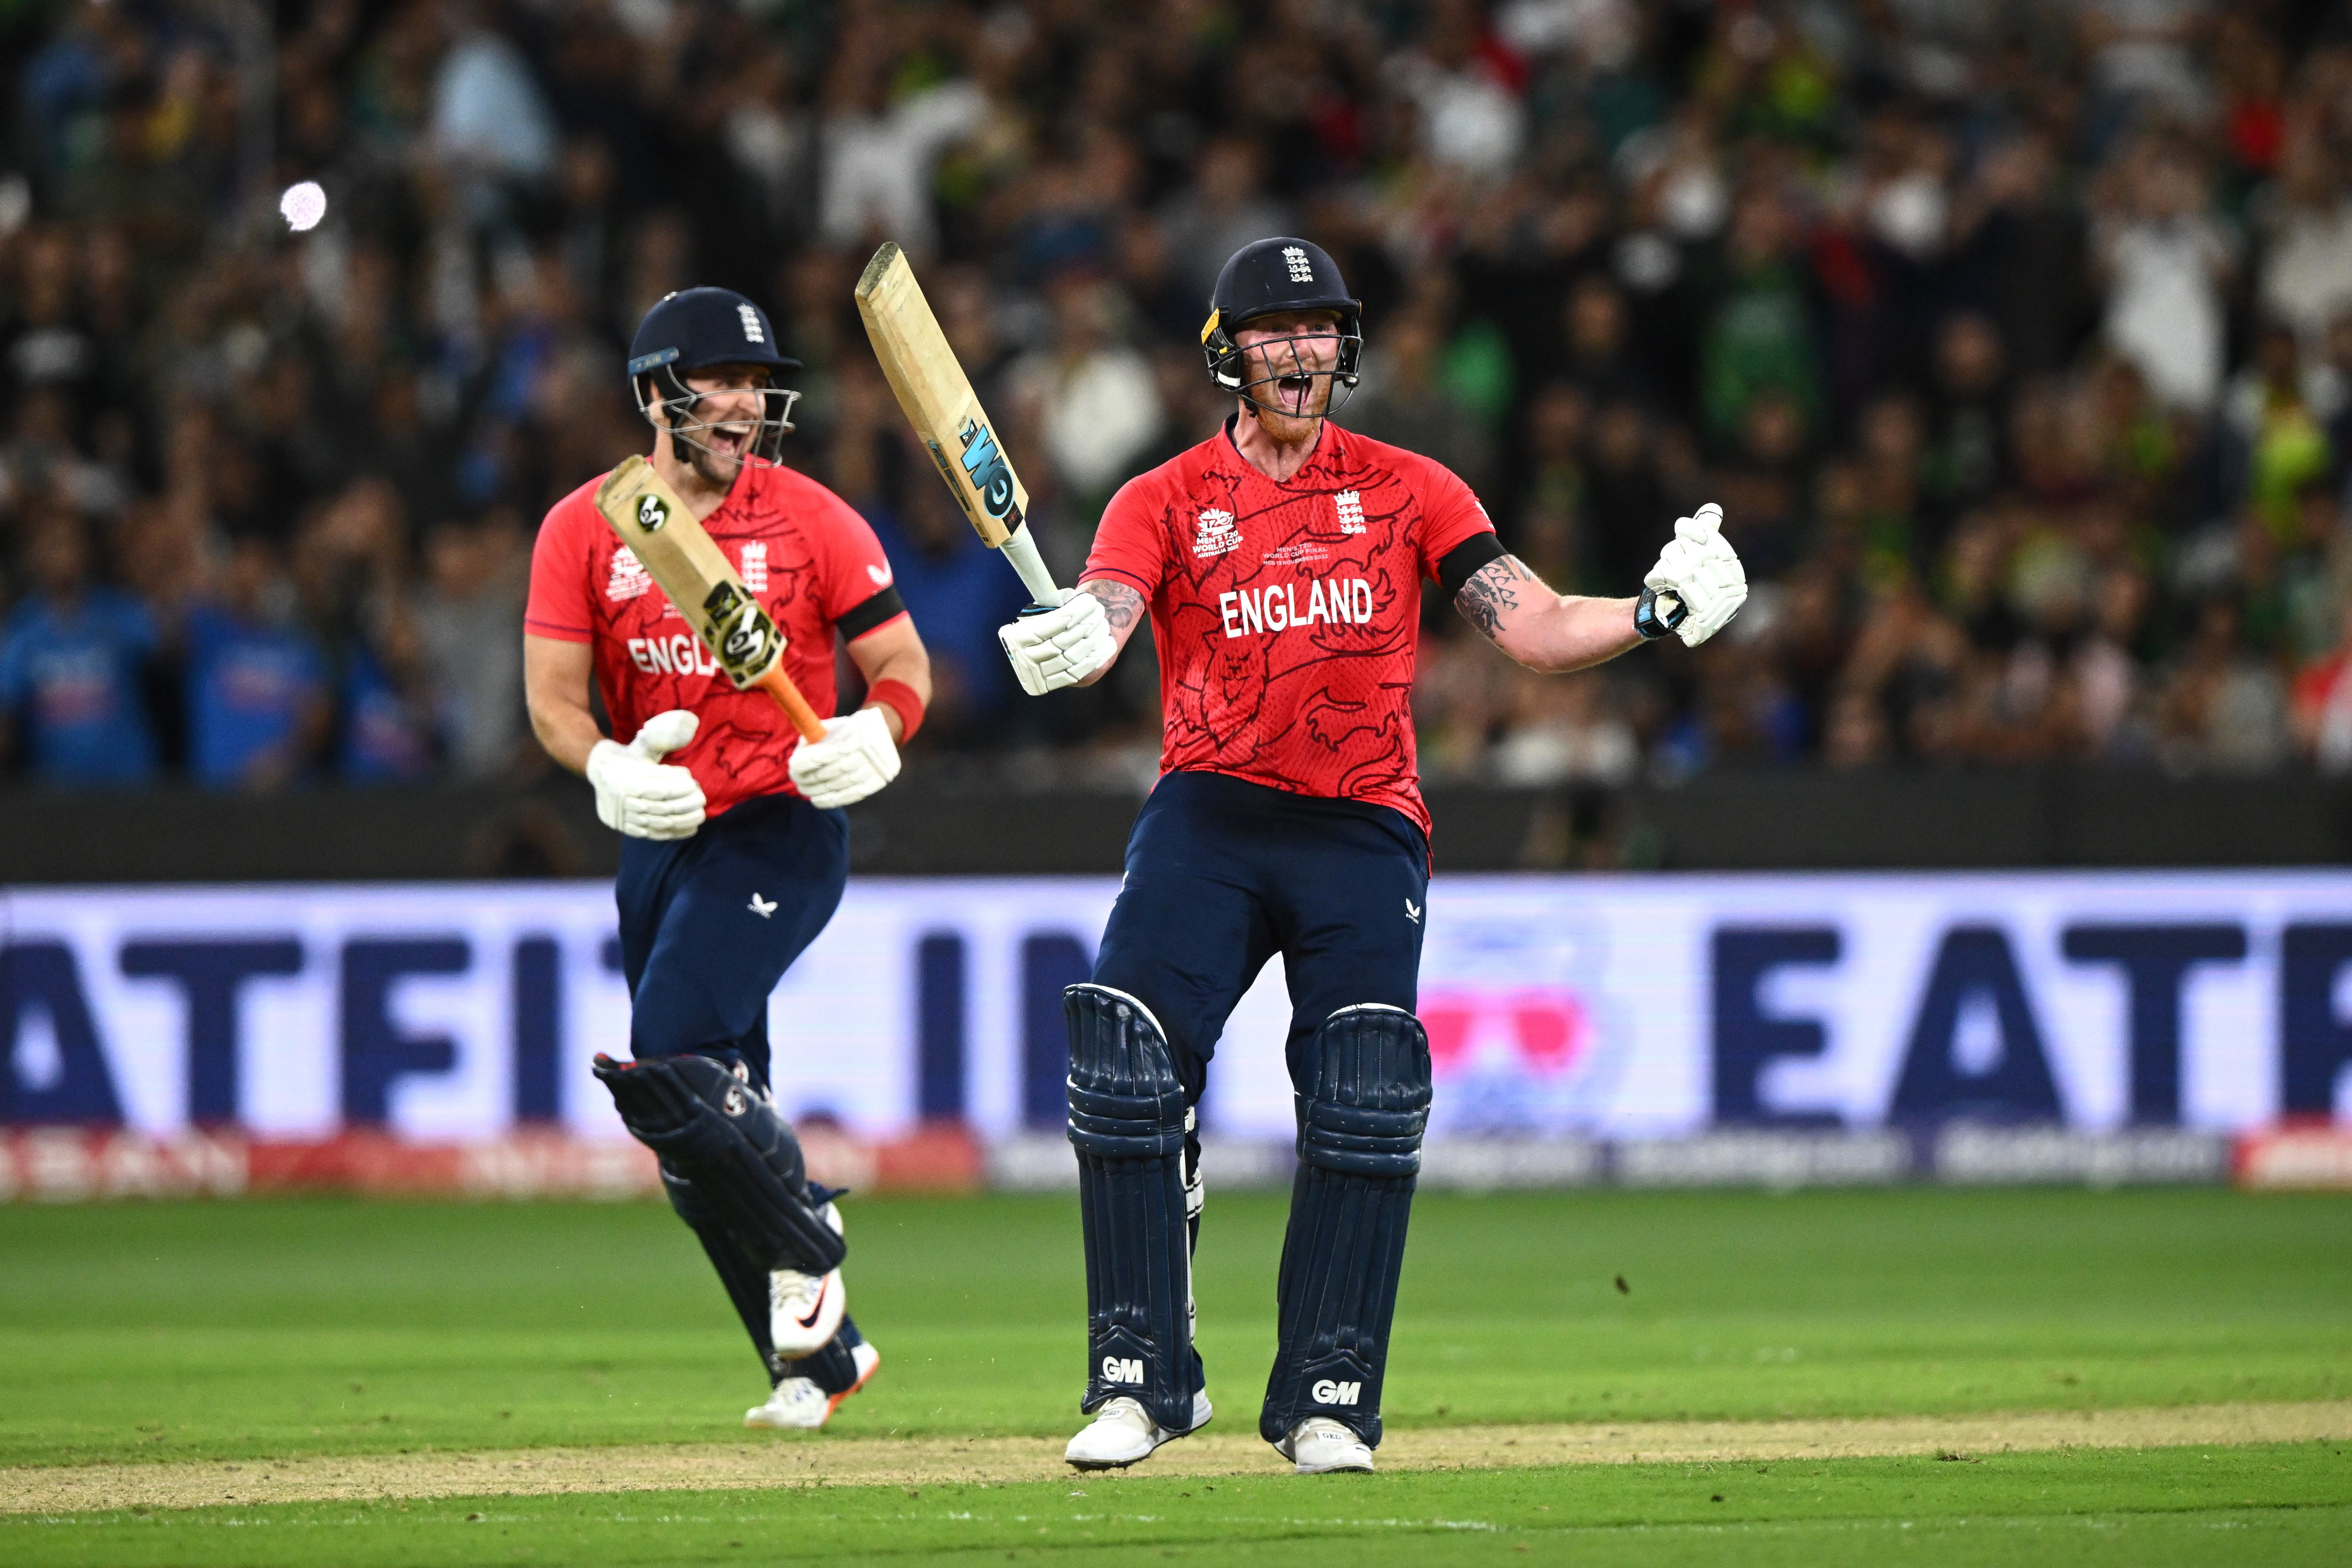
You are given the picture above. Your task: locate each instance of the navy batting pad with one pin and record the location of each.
(1360, 1128)
(741, 1157)
(1126, 1122)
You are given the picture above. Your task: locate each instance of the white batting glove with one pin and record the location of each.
(1060, 647)
(638, 794)
(855, 758)
(1703, 573)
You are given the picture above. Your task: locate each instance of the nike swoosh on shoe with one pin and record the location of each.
(817, 1310)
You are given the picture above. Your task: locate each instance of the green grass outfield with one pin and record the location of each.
(272, 1330)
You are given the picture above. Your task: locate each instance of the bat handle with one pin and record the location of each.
(779, 685)
(1020, 550)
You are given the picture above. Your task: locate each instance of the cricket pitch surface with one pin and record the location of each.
(818, 1460)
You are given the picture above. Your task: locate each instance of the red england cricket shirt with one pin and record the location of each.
(809, 559)
(1287, 614)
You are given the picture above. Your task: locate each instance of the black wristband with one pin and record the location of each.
(1649, 623)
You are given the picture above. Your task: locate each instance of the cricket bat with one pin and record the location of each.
(940, 403)
(663, 533)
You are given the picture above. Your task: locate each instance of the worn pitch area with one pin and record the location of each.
(852, 1461)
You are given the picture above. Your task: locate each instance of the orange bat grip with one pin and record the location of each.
(788, 697)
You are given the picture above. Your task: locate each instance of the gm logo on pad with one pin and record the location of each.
(651, 513)
(1122, 1369)
(1329, 1391)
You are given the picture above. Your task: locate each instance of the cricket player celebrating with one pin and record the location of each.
(1281, 564)
(735, 847)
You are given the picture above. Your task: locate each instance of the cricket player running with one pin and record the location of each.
(735, 847)
(1281, 562)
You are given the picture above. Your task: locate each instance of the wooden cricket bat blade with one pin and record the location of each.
(936, 397)
(659, 527)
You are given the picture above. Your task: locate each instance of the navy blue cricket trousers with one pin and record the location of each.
(1222, 874)
(709, 924)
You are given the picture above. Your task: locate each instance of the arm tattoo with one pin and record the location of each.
(1122, 606)
(1492, 592)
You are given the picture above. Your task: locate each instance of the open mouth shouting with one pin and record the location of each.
(727, 446)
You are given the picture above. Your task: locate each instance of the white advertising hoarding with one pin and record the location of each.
(1619, 1007)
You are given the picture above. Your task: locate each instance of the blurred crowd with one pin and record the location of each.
(2015, 340)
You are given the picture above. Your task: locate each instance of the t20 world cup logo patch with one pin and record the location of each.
(1217, 533)
(629, 579)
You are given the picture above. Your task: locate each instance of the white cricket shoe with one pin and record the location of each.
(799, 1404)
(805, 1309)
(1318, 1445)
(1121, 1433)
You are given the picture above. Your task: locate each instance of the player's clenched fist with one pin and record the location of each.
(1703, 573)
(636, 792)
(855, 758)
(1060, 647)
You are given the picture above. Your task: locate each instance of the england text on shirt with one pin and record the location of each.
(1285, 614)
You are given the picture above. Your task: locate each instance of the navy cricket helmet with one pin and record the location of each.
(693, 330)
(1269, 276)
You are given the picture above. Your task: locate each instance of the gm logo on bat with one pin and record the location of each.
(741, 630)
(651, 513)
(985, 465)
(746, 638)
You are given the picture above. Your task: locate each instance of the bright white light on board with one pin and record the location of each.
(303, 205)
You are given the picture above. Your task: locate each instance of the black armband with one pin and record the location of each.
(1461, 562)
(864, 617)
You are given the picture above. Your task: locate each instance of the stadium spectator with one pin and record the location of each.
(2166, 258)
(1403, 399)
(1092, 396)
(471, 599)
(1564, 732)
(2224, 706)
(257, 706)
(957, 589)
(881, 146)
(72, 666)
(351, 568)
(2307, 273)
(2323, 710)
